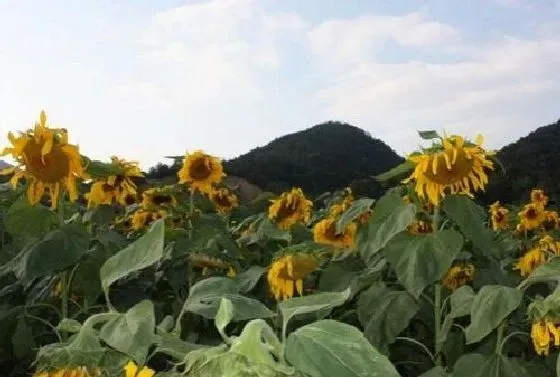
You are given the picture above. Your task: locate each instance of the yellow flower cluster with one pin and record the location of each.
(458, 275)
(537, 255)
(543, 333)
(286, 273)
(499, 216)
(534, 215)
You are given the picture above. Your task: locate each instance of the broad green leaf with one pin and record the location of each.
(140, 254)
(390, 217)
(429, 135)
(56, 251)
(224, 316)
(350, 273)
(420, 260)
(174, 346)
(22, 340)
(133, 332)
(86, 281)
(478, 365)
(461, 301)
(356, 209)
(312, 303)
(206, 295)
(437, 371)
(490, 307)
(384, 314)
(69, 325)
(102, 214)
(249, 278)
(550, 271)
(471, 218)
(24, 220)
(331, 348)
(398, 171)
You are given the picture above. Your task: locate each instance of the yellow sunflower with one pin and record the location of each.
(80, 371)
(47, 162)
(499, 217)
(156, 197)
(224, 200)
(290, 208)
(324, 232)
(420, 227)
(539, 197)
(339, 208)
(142, 218)
(532, 216)
(530, 260)
(201, 171)
(458, 275)
(285, 274)
(131, 370)
(454, 166)
(551, 220)
(549, 244)
(543, 332)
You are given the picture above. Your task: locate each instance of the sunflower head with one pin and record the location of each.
(499, 218)
(454, 166)
(290, 208)
(539, 197)
(341, 207)
(224, 200)
(46, 160)
(286, 273)
(458, 275)
(551, 220)
(132, 370)
(532, 216)
(421, 227)
(324, 232)
(544, 331)
(549, 244)
(141, 219)
(201, 171)
(157, 197)
(79, 371)
(530, 260)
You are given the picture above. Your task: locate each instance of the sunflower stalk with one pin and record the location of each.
(500, 337)
(64, 276)
(437, 301)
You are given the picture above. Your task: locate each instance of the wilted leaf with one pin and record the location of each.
(429, 135)
(331, 348)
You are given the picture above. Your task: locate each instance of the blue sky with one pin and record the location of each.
(144, 79)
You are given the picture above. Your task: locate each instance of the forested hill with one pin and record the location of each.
(532, 161)
(322, 158)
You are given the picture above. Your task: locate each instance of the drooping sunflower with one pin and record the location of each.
(141, 219)
(549, 244)
(201, 171)
(156, 197)
(223, 200)
(499, 216)
(551, 220)
(286, 273)
(530, 260)
(339, 208)
(539, 197)
(458, 275)
(421, 227)
(290, 208)
(131, 370)
(454, 166)
(324, 232)
(532, 216)
(544, 332)
(47, 162)
(80, 371)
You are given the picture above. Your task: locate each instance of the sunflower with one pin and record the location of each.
(551, 220)
(532, 216)
(543, 332)
(285, 274)
(530, 260)
(131, 370)
(290, 208)
(454, 166)
(79, 371)
(201, 171)
(421, 227)
(142, 218)
(156, 197)
(499, 216)
(338, 209)
(549, 244)
(539, 197)
(324, 232)
(224, 200)
(46, 161)
(458, 275)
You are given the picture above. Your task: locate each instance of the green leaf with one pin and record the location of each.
(174, 346)
(69, 325)
(429, 135)
(132, 333)
(549, 271)
(490, 307)
(350, 273)
(224, 316)
(437, 371)
(356, 209)
(478, 365)
(331, 348)
(22, 340)
(98, 169)
(56, 251)
(247, 279)
(558, 365)
(140, 254)
(420, 260)
(24, 220)
(312, 303)
(384, 314)
(461, 302)
(398, 171)
(471, 218)
(390, 217)
(205, 297)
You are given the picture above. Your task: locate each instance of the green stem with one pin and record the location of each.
(500, 337)
(64, 299)
(504, 341)
(48, 324)
(423, 346)
(437, 318)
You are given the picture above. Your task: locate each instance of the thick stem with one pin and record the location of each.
(500, 337)
(437, 319)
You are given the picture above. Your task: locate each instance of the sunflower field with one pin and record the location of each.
(100, 277)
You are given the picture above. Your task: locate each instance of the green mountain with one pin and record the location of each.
(322, 158)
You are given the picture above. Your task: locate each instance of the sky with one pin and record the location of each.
(147, 79)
